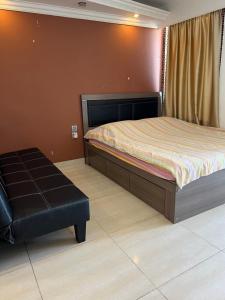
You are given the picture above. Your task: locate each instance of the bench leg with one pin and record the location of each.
(80, 231)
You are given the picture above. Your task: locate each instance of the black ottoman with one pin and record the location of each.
(36, 198)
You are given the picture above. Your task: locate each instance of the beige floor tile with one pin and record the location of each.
(61, 240)
(12, 257)
(155, 295)
(78, 172)
(19, 284)
(96, 270)
(161, 250)
(209, 225)
(120, 210)
(90, 181)
(77, 169)
(83, 174)
(93, 179)
(203, 282)
(96, 187)
(71, 164)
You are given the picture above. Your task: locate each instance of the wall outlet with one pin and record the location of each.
(74, 131)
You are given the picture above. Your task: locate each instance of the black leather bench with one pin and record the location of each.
(36, 198)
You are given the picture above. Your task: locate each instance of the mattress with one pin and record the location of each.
(162, 173)
(187, 151)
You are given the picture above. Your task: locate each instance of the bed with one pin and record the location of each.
(176, 197)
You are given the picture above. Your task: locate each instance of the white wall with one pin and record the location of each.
(222, 88)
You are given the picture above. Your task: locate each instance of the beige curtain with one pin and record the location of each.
(222, 83)
(192, 79)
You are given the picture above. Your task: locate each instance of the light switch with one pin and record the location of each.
(74, 131)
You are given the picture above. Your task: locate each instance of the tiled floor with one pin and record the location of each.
(131, 252)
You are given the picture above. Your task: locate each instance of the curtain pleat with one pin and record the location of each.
(222, 81)
(192, 80)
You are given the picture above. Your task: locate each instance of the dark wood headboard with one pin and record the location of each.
(102, 109)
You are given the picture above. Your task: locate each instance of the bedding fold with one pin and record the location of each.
(154, 170)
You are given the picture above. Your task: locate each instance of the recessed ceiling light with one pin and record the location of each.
(136, 15)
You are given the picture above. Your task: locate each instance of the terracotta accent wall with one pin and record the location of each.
(46, 62)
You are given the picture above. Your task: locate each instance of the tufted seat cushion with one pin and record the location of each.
(40, 198)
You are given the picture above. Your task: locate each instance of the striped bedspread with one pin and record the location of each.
(186, 150)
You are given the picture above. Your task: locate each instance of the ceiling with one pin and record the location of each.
(181, 10)
(151, 13)
(156, 3)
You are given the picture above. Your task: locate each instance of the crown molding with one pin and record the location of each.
(77, 13)
(135, 7)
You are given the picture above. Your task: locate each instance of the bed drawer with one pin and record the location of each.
(98, 162)
(118, 174)
(148, 192)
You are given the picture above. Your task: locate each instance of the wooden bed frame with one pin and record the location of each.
(163, 195)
